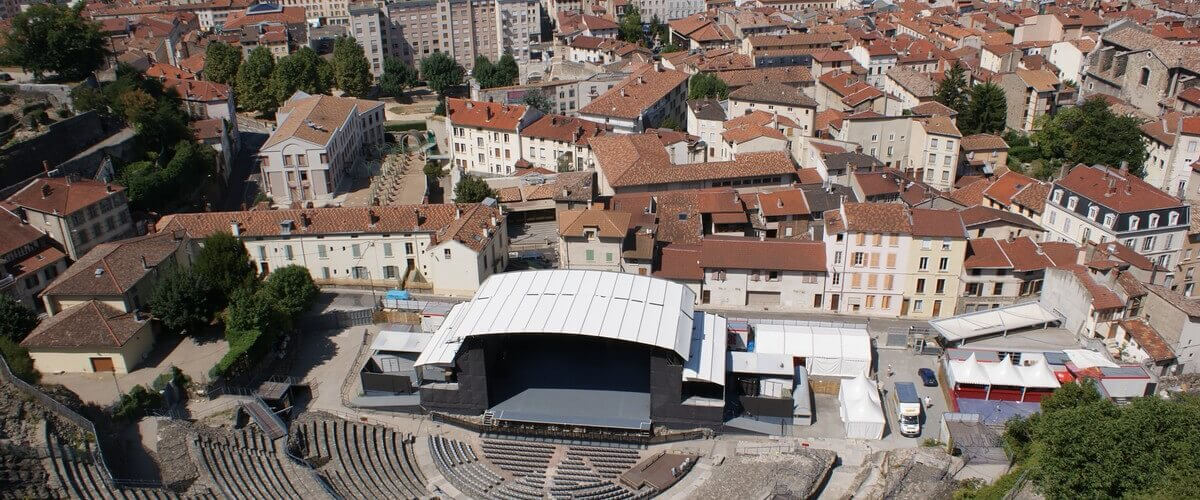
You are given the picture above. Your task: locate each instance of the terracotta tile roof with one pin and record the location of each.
(15, 234)
(879, 183)
(1190, 95)
(1007, 186)
(486, 115)
(111, 269)
(970, 194)
(1040, 80)
(636, 93)
(315, 118)
(608, 223)
(289, 16)
(197, 90)
(1132, 194)
(937, 223)
(207, 129)
(680, 262)
(978, 142)
(1025, 254)
(846, 84)
(871, 218)
(90, 324)
(673, 214)
(1172, 54)
(783, 202)
(933, 108)
(941, 125)
(1132, 286)
(1033, 196)
(35, 261)
(977, 215)
(750, 131)
(193, 64)
(827, 118)
(707, 109)
(733, 252)
(640, 159)
(985, 253)
(920, 85)
(773, 93)
(160, 70)
(565, 129)
(1114, 250)
(1102, 297)
(462, 222)
(1148, 339)
(59, 195)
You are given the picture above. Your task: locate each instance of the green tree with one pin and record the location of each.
(16, 320)
(18, 360)
(221, 62)
(351, 69)
(52, 38)
(952, 91)
(137, 403)
(507, 70)
(707, 86)
(1091, 134)
(442, 72)
(471, 189)
(251, 311)
(225, 264)
(656, 29)
(671, 122)
(181, 302)
(986, 111)
(630, 28)
(301, 70)
(87, 98)
(254, 90)
(292, 289)
(484, 72)
(537, 100)
(669, 48)
(433, 169)
(397, 77)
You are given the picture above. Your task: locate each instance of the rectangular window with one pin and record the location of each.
(321, 252)
(446, 253)
(859, 258)
(921, 285)
(262, 252)
(940, 287)
(590, 255)
(943, 263)
(891, 261)
(355, 250)
(608, 257)
(325, 273)
(387, 249)
(287, 251)
(923, 264)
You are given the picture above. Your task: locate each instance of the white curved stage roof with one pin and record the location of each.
(603, 304)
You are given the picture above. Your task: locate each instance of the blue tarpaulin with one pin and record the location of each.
(398, 295)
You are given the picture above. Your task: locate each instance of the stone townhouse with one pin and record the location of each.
(1030, 94)
(1140, 68)
(485, 136)
(28, 262)
(1097, 204)
(1002, 271)
(645, 99)
(447, 249)
(1173, 145)
(317, 143)
(867, 246)
(78, 214)
(592, 239)
(768, 274)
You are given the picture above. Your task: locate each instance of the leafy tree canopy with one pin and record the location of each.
(221, 62)
(351, 69)
(292, 289)
(707, 86)
(630, 28)
(397, 77)
(501, 74)
(53, 38)
(225, 264)
(16, 320)
(472, 189)
(254, 89)
(181, 302)
(1091, 134)
(536, 99)
(442, 72)
(301, 70)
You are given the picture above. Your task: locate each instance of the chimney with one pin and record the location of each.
(144, 264)
(470, 105)
(1128, 188)
(304, 220)
(372, 217)
(108, 188)
(46, 167)
(779, 203)
(488, 113)
(494, 221)
(1081, 255)
(1124, 167)
(1112, 186)
(46, 190)
(235, 229)
(762, 236)
(622, 91)
(457, 212)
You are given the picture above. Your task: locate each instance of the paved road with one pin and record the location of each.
(241, 189)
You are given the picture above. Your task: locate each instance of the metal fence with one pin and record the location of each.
(336, 320)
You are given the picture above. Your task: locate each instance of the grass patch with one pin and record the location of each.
(975, 489)
(403, 126)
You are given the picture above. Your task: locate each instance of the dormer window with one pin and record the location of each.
(1109, 220)
(1173, 218)
(1057, 196)
(1093, 212)
(1153, 221)
(1134, 221)
(1072, 202)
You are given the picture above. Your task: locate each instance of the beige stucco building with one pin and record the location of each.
(935, 264)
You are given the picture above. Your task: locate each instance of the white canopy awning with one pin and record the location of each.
(828, 351)
(860, 408)
(990, 321)
(1035, 374)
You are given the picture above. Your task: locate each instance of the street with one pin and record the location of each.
(241, 189)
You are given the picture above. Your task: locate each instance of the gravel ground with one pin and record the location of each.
(796, 475)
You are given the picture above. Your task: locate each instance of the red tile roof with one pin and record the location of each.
(869, 218)
(15, 234)
(1006, 186)
(937, 223)
(985, 253)
(481, 114)
(90, 324)
(636, 93)
(197, 90)
(565, 129)
(113, 268)
(1129, 194)
(640, 159)
(1148, 339)
(680, 262)
(59, 195)
(607, 223)
(783, 202)
(735, 252)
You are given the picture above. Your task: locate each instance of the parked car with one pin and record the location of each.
(927, 377)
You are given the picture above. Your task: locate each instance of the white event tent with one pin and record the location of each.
(827, 351)
(861, 409)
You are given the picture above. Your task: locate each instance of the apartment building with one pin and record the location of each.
(485, 136)
(1030, 94)
(877, 58)
(1189, 259)
(640, 163)
(847, 92)
(77, 213)
(867, 246)
(645, 99)
(412, 30)
(559, 143)
(317, 142)
(773, 274)
(926, 148)
(592, 239)
(28, 262)
(938, 248)
(1002, 271)
(669, 10)
(1173, 145)
(1140, 68)
(777, 99)
(566, 96)
(446, 249)
(1097, 204)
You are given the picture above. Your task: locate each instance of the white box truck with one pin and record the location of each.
(908, 408)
